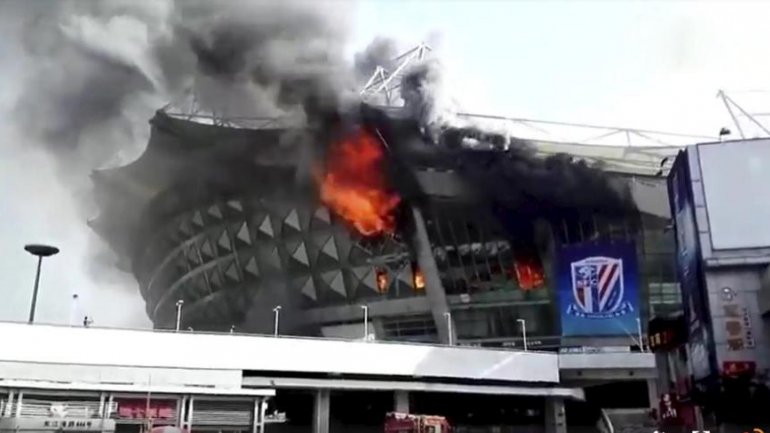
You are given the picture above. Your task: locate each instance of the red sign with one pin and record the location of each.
(140, 409)
(739, 368)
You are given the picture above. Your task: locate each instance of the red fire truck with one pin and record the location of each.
(405, 423)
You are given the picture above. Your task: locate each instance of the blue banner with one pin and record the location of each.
(694, 298)
(598, 288)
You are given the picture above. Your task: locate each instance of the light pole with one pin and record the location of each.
(523, 331)
(179, 304)
(450, 337)
(40, 251)
(366, 321)
(277, 314)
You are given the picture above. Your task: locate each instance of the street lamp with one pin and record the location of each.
(40, 251)
(179, 304)
(366, 321)
(277, 314)
(448, 317)
(523, 331)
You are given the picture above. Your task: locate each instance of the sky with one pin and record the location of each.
(652, 65)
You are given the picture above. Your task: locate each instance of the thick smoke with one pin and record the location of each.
(380, 52)
(518, 177)
(88, 76)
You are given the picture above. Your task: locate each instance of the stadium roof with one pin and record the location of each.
(621, 150)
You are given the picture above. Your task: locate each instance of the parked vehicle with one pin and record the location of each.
(396, 422)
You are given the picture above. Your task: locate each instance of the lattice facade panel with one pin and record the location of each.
(220, 256)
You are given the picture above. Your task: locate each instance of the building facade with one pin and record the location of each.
(223, 219)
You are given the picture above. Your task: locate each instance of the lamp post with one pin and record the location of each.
(366, 321)
(450, 336)
(523, 331)
(40, 251)
(179, 304)
(277, 318)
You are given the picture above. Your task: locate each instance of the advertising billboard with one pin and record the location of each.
(598, 287)
(689, 269)
(734, 174)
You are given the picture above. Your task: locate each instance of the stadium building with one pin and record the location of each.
(222, 218)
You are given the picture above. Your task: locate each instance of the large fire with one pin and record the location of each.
(355, 187)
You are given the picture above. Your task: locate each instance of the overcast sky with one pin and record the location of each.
(638, 64)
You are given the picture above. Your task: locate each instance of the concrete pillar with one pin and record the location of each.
(652, 392)
(401, 401)
(321, 406)
(7, 411)
(434, 290)
(555, 418)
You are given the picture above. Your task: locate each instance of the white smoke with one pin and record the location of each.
(80, 81)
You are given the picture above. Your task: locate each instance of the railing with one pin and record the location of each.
(562, 350)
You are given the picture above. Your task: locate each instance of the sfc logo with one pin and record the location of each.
(597, 288)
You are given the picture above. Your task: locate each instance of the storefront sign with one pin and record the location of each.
(141, 409)
(689, 268)
(69, 424)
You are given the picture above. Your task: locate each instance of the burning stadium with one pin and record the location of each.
(359, 207)
(441, 228)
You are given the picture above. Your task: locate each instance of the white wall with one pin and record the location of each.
(736, 185)
(109, 347)
(94, 374)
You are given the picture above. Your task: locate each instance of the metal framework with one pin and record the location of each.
(630, 149)
(747, 122)
(383, 84)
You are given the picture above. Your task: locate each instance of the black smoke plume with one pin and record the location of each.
(507, 170)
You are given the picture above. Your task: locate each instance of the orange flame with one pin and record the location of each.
(419, 279)
(354, 185)
(382, 280)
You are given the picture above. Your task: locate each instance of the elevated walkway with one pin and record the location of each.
(232, 361)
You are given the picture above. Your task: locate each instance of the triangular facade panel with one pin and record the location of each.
(292, 220)
(231, 272)
(224, 241)
(192, 255)
(266, 227)
(207, 250)
(366, 277)
(235, 205)
(215, 280)
(300, 254)
(308, 289)
(197, 219)
(335, 282)
(215, 212)
(251, 267)
(243, 234)
(185, 228)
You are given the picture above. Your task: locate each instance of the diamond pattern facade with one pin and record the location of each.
(219, 257)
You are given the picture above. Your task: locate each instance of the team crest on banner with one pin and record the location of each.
(598, 290)
(597, 286)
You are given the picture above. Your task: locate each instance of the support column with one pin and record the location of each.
(555, 418)
(258, 417)
(401, 401)
(434, 290)
(321, 406)
(652, 393)
(9, 405)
